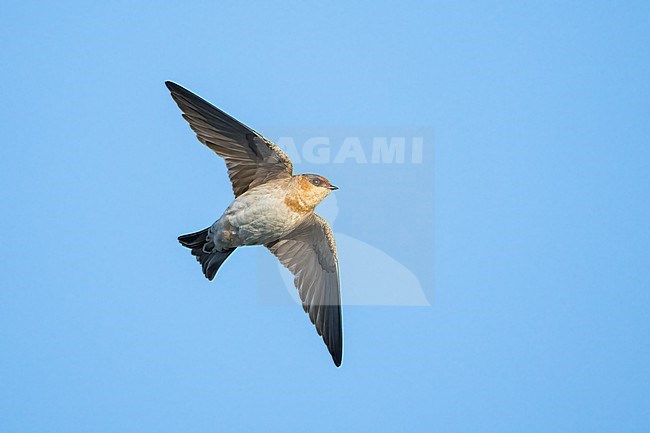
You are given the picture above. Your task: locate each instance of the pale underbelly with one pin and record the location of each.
(254, 222)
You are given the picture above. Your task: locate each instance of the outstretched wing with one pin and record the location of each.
(309, 252)
(251, 159)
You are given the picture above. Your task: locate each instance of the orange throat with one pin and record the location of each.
(297, 204)
(301, 197)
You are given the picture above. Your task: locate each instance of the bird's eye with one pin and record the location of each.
(316, 182)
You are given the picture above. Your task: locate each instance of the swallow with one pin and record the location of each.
(272, 207)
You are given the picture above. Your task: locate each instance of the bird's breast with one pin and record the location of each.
(262, 216)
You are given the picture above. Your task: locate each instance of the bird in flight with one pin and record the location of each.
(272, 207)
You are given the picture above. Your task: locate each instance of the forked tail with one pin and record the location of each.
(203, 248)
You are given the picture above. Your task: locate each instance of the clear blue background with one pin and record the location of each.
(541, 307)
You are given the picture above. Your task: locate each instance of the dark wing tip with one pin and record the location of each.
(336, 350)
(334, 342)
(177, 89)
(172, 86)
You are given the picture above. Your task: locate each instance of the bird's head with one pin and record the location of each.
(313, 188)
(319, 182)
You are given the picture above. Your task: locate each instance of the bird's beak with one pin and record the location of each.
(333, 188)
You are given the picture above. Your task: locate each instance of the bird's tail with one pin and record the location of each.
(204, 250)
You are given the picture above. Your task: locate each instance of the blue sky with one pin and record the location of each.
(528, 231)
